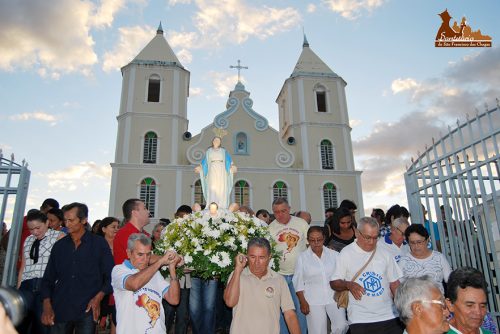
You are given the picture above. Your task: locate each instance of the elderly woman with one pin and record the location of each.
(35, 256)
(421, 306)
(394, 242)
(311, 281)
(422, 260)
(341, 229)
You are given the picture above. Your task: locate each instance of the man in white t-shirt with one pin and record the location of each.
(371, 307)
(290, 234)
(139, 288)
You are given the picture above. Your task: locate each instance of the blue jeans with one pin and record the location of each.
(300, 315)
(84, 325)
(178, 314)
(30, 291)
(202, 305)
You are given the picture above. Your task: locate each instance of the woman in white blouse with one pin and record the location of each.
(421, 260)
(311, 280)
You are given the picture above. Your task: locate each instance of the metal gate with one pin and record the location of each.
(14, 181)
(457, 181)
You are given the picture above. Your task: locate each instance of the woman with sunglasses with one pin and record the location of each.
(421, 260)
(35, 256)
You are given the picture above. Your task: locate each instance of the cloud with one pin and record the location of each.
(104, 15)
(37, 115)
(73, 177)
(195, 91)
(401, 85)
(311, 8)
(52, 39)
(437, 102)
(402, 137)
(352, 9)
(482, 68)
(185, 56)
(234, 21)
(130, 42)
(175, 2)
(182, 39)
(223, 82)
(354, 122)
(382, 175)
(5, 147)
(211, 20)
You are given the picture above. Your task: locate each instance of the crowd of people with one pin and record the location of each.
(374, 274)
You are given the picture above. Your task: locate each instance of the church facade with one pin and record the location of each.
(308, 160)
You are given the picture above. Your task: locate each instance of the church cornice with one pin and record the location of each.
(154, 64)
(314, 75)
(148, 115)
(321, 125)
(252, 170)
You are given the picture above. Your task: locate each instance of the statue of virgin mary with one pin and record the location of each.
(216, 174)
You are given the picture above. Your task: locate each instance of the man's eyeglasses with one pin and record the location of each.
(367, 237)
(435, 301)
(397, 228)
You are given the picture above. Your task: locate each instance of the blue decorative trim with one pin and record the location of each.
(261, 122)
(165, 291)
(221, 120)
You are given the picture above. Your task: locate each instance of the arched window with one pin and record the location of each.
(242, 193)
(148, 194)
(150, 148)
(280, 189)
(241, 146)
(327, 161)
(154, 88)
(330, 196)
(198, 193)
(321, 103)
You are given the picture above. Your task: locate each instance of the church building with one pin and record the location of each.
(308, 160)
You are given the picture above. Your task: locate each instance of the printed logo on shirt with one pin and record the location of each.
(291, 237)
(372, 283)
(269, 292)
(151, 306)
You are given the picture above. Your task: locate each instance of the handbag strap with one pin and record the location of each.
(363, 268)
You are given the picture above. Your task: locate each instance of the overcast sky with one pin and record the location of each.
(60, 79)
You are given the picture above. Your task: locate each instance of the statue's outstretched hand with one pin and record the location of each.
(197, 169)
(233, 169)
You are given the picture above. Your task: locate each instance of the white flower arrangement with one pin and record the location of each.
(210, 244)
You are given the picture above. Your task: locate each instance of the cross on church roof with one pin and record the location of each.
(239, 67)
